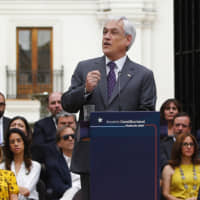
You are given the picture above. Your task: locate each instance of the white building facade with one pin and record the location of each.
(76, 33)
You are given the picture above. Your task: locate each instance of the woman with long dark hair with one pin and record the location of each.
(168, 110)
(18, 160)
(22, 124)
(181, 177)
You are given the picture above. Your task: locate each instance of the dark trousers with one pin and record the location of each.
(85, 186)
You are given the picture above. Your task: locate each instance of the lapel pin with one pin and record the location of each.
(129, 75)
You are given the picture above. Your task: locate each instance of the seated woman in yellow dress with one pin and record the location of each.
(181, 178)
(8, 185)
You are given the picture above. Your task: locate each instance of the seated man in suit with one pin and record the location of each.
(45, 129)
(3, 120)
(181, 124)
(66, 144)
(56, 159)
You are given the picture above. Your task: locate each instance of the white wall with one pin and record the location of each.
(3, 54)
(28, 109)
(80, 41)
(163, 50)
(77, 33)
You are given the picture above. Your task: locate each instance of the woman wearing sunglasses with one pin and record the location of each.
(181, 178)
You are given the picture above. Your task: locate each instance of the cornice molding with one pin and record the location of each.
(47, 7)
(142, 13)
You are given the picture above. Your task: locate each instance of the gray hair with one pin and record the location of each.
(65, 114)
(129, 28)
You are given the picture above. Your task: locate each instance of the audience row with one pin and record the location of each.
(44, 154)
(179, 154)
(39, 159)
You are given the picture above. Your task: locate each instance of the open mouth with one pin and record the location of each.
(106, 44)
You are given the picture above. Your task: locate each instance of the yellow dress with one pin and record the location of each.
(8, 184)
(177, 188)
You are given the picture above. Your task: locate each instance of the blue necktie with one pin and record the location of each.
(111, 78)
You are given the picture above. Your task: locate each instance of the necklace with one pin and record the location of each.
(194, 187)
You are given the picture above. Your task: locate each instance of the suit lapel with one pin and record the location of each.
(64, 169)
(127, 74)
(101, 66)
(5, 126)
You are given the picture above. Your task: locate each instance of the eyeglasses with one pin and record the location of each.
(185, 144)
(66, 137)
(2, 104)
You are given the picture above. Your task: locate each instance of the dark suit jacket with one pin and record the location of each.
(135, 90)
(5, 125)
(57, 174)
(165, 151)
(44, 133)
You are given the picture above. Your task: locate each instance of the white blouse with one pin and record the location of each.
(28, 181)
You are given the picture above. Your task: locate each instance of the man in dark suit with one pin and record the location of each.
(45, 129)
(3, 120)
(181, 124)
(55, 158)
(64, 118)
(110, 83)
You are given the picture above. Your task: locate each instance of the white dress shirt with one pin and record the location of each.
(1, 131)
(28, 181)
(76, 184)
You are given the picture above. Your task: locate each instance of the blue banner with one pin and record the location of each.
(124, 155)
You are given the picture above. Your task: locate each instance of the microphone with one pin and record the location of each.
(119, 91)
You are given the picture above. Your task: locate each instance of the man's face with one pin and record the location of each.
(181, 125)
(54, 104)
(66, 121)
(2, 105)
(66, 144)
(115, 42)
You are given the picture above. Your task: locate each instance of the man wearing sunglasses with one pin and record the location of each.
(57, 158)
(65, 141)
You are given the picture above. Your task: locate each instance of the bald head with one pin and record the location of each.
(54, 103)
